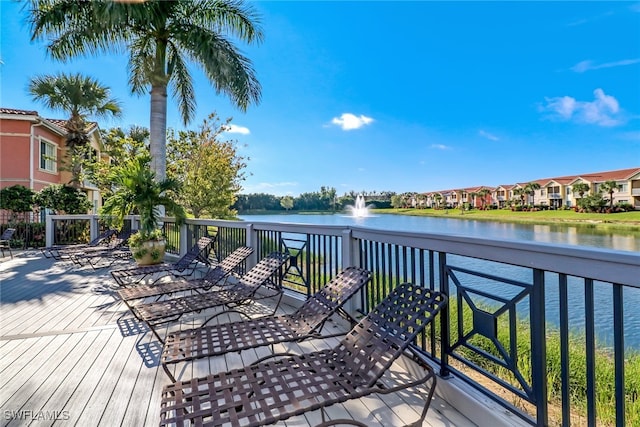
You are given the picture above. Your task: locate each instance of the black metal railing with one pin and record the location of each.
(539, 328)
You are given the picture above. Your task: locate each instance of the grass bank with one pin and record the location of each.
(622, 221)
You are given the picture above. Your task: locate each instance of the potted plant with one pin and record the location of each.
(137, 192)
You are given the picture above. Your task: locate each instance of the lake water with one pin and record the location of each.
(559, 234)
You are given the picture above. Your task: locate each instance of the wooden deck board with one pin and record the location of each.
(69, 347)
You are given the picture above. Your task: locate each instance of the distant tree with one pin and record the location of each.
(520, 193)
(257, 201)
(63, 199)
(530, 189)
(397, 201)
(581, 188)
(80, 97)
(438, 199)
(483, 193)
(610, 187)
(286, 202)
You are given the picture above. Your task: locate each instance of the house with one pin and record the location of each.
(32, 151)
(554, 192)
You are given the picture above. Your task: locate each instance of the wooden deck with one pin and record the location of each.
(71, 354)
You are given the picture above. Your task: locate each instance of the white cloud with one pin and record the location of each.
(237, 129)
(348, 121)
(583, 66)
(488, 135)
(604, 110)
(440, 147)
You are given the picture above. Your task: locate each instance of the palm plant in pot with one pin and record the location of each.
(137, 192)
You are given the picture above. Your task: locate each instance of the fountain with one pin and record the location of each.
(360, 210)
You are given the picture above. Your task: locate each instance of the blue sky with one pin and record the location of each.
(406, 96)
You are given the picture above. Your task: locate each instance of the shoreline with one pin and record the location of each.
(620, 222)
(624, 221)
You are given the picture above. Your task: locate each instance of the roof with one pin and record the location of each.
(614, 175)
(57, 123)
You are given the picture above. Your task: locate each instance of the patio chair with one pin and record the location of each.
(214, 276)
(305, 323)
(183, 267)
(244, 292)
(5, 241)
(98, 257)
(59, 252)
(280, 386)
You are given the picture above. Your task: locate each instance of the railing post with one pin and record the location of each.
(348, 254)
(94, 227)
(444, 316)
(48, 230)
(184, 239)
(252, 242)
(539, 348)
(351, 258)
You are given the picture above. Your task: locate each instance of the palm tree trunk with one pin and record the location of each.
(158, 134)
(158, 131)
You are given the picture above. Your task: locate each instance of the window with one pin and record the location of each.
(48, 156)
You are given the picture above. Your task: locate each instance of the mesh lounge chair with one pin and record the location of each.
(5, 241)
(59, 252)
(98, 257)
(184, 266)
(305, 323)
(214, 276)
(245, 291)
(284, 385)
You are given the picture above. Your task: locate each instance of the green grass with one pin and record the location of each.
(604, 370)
(627, 221)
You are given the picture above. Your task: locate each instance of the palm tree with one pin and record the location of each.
(581, 188)
(520, 192)
(161, 38)
(80, 97)
(483, 197)
(610, 187)
(437, 198)
(530, 189)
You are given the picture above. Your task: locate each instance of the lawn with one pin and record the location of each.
(629, 221)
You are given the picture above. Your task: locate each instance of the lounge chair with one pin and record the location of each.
(244, 292)
(280, 386)
(306, 322)
(59, 252)
(214, 276)
(5, 241)
(184, 266)
(98, 257)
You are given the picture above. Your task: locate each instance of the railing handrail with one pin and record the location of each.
(614, 266)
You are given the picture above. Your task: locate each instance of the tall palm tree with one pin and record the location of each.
(483, 196)
(520, 192)
(530, 189)
(81, 97)
(610, 187)
(581, 188)
(161, 37)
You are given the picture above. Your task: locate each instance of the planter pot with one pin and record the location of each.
(151, 252)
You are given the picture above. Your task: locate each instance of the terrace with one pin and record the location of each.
(70, 350)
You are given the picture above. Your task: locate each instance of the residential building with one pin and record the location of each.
(32, 151)
(554, 192)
